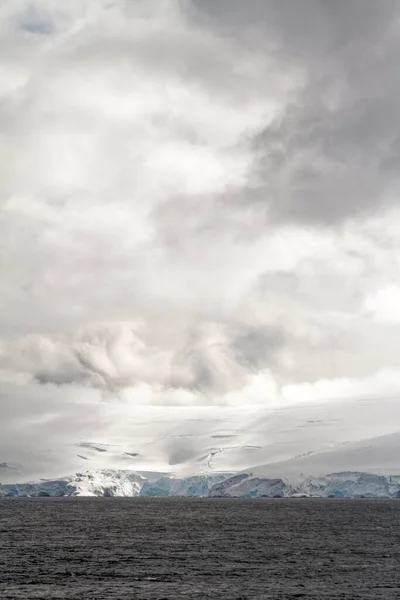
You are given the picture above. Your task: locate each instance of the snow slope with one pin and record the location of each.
(369, 467)
(379, 455)
(189, 441)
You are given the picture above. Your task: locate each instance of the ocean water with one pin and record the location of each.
(156, 548)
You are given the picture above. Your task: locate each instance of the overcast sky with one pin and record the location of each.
(199, 204)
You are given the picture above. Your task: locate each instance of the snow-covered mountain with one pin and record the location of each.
(206, 440)
(379, 455)
(297, 448)
(368, 468)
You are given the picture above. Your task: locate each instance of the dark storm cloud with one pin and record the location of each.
(333, 151)
(324, 165)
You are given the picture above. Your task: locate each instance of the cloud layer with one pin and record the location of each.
(199, 196)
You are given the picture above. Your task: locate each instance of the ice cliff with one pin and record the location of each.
(333, 485)
(243, 485)
(116, 483)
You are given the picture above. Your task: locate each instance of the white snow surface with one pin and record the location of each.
(379, 455)
(212, 439)
(369, 467)
(189, 453)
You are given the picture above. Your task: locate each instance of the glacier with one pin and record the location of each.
(208, 439)
(109, 483)
(118, 483)
(333, 485)
(365, 468)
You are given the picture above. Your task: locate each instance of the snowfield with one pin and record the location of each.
(368, 468)
(186, 441)
(337, 448)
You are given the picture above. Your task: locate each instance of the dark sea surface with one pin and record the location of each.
(159, 548)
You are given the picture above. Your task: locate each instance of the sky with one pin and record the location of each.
(199, 213)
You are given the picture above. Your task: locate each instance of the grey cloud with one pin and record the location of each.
(333, 151)
(298, 32)
(205, 363)
(322, 166)
(210, 358)
(257, 347)
(37, 22)
(167, 163)
(196, 200)
(316, 313)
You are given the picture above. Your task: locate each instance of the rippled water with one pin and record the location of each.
(199, 548)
